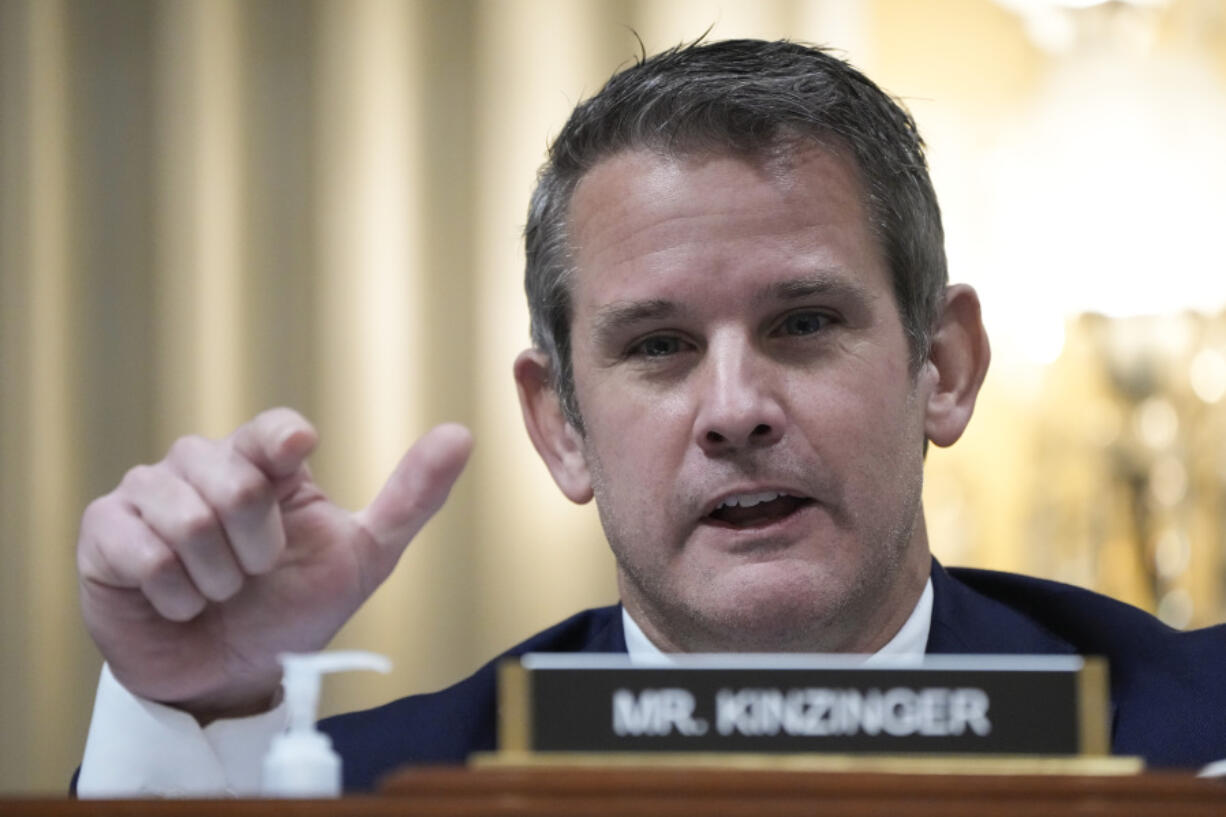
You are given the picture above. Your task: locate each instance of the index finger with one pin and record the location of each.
(276, 441)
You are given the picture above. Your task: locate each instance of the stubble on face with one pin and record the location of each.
(705, 235)
(790, 607)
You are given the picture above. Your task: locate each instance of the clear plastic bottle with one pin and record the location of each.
(300, 761)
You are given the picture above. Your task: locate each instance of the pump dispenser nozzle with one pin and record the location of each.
(300, 762)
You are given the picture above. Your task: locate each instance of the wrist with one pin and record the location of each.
(208, 709)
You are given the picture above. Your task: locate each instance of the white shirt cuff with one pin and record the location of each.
(137, 747)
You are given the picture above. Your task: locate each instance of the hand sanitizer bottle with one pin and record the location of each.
(300, 761)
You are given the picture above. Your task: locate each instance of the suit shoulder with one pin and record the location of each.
(1091, 622)
(1169, 704)
(596, 630)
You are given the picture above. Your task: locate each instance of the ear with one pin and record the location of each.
(957, 363)
(555, 439)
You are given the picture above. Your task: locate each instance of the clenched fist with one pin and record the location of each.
(197, 571)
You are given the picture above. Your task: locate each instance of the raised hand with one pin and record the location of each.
(196, 571)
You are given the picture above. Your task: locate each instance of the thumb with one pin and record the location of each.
(416, 489)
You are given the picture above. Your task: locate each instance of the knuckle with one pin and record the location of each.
(137, 478)
(193, 525)
(85, 559)
(96, 513)
(187, 447)
(156, 565)
(243, 491)
(89, 549)
(96, 524)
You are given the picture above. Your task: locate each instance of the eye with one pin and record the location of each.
(656, 346)
(804, 323)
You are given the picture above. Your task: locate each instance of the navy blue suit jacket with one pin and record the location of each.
(1167, 690)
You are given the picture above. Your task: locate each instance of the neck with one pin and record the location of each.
(867, 622)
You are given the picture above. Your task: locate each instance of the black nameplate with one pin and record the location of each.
(962, 705)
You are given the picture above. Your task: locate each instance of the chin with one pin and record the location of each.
(777, 607)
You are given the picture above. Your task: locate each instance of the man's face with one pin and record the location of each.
(752, 431)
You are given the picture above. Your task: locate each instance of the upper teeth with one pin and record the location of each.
(749, 500)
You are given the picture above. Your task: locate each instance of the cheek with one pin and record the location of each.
(633, 463)
(637, 458)
(874, 433)
(635, 432)
(628, 505)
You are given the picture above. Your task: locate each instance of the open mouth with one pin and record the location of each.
(755, 510)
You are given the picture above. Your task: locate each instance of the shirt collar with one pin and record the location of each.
(909, 642)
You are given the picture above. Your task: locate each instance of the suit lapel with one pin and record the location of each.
(965, 621)
(607, 633)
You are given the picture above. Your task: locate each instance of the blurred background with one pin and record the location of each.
(209, 207)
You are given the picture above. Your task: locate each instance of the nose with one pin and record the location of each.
(738, 407)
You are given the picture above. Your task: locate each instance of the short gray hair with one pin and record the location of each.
(749, 97)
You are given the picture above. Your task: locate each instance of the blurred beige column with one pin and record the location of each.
(47, 555)
(370, 199)
(199, 218)
(541, 558)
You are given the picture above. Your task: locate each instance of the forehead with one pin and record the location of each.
(642, 221)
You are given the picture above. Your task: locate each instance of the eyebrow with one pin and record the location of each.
(619, 315)
(819, 283)
(614, 317)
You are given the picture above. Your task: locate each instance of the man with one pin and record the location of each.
(743, 343)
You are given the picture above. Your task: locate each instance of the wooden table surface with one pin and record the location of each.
(672, 792)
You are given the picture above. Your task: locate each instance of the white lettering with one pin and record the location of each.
(898, 710)
(731, 710)
(655, 712)
(817, 711)
(933, 705)
(969, 707)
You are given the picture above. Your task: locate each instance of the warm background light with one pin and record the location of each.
(208, 207)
